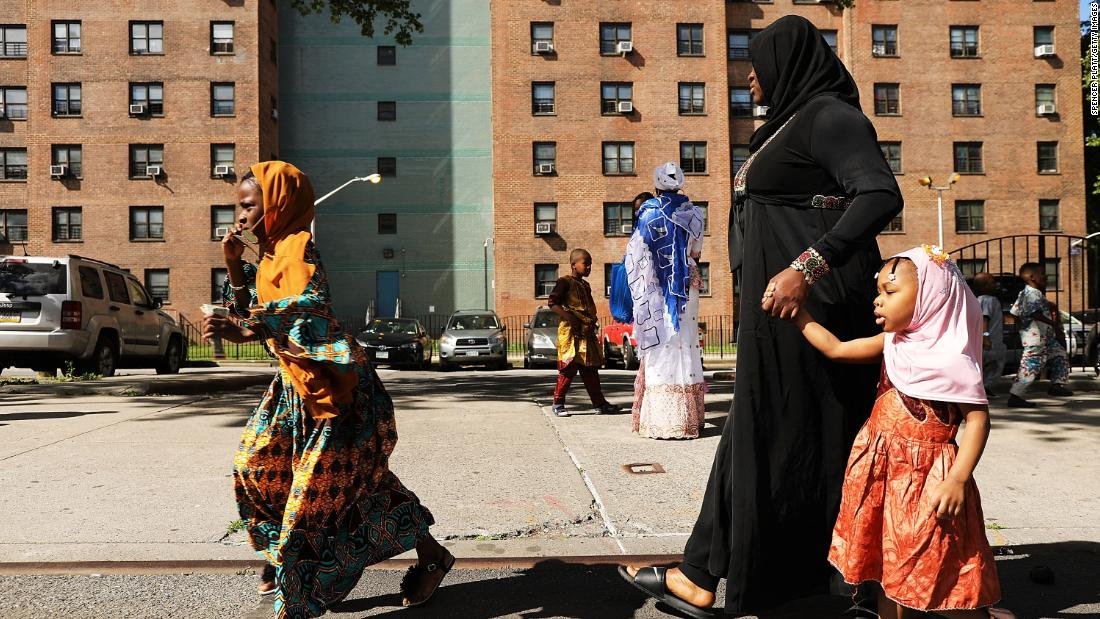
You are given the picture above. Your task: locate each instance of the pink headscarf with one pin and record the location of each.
(939, 355)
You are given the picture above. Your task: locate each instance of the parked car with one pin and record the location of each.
(619, 345)
(1076, 331)
(397, 341)
(80, 311)
(473, 337)
(542, 339)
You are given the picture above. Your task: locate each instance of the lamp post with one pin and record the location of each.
(372, 178)
(485, 266)
(927, 182)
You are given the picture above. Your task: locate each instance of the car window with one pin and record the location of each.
(91, 284)
(545, 320)
(473, 322)
(116, 287)
(137, 294)
(383, 327)
(19, 277)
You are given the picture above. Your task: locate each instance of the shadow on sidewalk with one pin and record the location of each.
(1075, 591)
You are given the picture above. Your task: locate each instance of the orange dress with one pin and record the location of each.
(901, 454)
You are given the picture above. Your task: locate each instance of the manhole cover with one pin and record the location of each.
(643, 468)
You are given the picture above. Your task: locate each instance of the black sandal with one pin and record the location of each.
(651, 580)
(416, 572)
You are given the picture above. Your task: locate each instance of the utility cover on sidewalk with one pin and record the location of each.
(643, 468)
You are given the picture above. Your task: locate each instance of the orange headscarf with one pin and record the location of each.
(283, 272)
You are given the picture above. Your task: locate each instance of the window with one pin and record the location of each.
(547, 213)
(541, 32)
(618, 158)
(1050, 268)
(387, 55)
(896, 225)
(612, 93)
(91, 285)
(689, 39)
(146, 37)
(740, 102)
(116, 287)
(146, 223)
(970, 267)
(144, 155)
(387, 223)
(607, 278)
(611, 35)
(13, 164)
(830, 38)
(693, 157)
(1049, 221)
(1048, 157)
(546, 276)
(892, 152)
(221, 37)
(221, 216)
(67, 224)
(964, 42)
(739, 154)
(704, 274)
(222, 154)
(618, 218)
(737, 44)
(66, 99)
(275, 109)
(887, 99)
(968, 158)
(542, 98)
(693, 96)
(704, 206)
(1044, 96)
(13, 41)
(969, 216)
(545, 154)
(66, 37)
(150, 95)
(884, 40)
(387, 110)
(222, 98)
(966, 99)
(156, 282)
(13, 103)
(13, 225)
(218, 277)
(1043, 35)
(387, 166)
(69, 155)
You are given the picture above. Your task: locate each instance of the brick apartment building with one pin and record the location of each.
(989, 89)
(100, 96)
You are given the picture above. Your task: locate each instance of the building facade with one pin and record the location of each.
(123, 132)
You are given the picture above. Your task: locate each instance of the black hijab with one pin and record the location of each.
(794, 64)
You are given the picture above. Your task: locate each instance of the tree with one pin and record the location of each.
(399, 16)
(1092, 136)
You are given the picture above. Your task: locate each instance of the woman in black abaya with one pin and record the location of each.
(809, 202)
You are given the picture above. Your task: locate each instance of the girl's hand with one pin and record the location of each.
(232, 246)
(947, 499)
(226, 329)
(785, 294)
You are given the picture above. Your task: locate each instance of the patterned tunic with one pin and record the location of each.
(319, 499)
(574, 295)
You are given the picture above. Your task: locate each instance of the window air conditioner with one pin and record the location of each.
(624, 47)
(544, 47)
(759, 111)
(878, 50)
(1043, 51)
(1045, 109)
(546, 168)
(2, 115)
(625, 107)
(221, 170)
(275, 113)
(626, 229)
(153, 170)
(137, 110)
(542, 228)
(59, 171)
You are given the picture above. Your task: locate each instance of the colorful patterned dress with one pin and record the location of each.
(319, 499)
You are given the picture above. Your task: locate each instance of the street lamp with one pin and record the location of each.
(485, 264)
(1083, 239)
(372, 178)
(927, 182)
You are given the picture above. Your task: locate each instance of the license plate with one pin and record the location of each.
(11, 317)
(382, 354)
(469, 353)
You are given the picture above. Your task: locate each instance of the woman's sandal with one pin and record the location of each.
(651, 580)
(267, 584)
(1000, 613)
(416, 572)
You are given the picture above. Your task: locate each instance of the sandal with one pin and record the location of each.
(267, 584)
(1000, 613)
(651, 580)
(416, 572)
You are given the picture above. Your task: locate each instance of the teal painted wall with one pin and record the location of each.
(330, 83)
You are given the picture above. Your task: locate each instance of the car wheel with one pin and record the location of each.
(526, 362)
(608, 363)
(445, 366)
(104, 359)
(630, 360)
(502, 364)
(173, 358)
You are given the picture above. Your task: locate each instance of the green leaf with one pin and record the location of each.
(401, 21)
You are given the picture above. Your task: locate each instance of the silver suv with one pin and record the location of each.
(91, 314)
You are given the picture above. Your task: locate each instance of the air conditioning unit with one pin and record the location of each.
(625, 107)
(275, 113)
(2, 111)
(759, 111)
(137, 110)
(153, 170)
(59, 171)
(1044, 51)
(222, 170)
(546, 168)
(544, 47)
(878, 50)
(1045, 109)
(624, 47)
(626, 229)
(542, 228)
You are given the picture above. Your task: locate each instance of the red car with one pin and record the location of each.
(620, 347)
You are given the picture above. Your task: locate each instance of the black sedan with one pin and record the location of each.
(397, 341)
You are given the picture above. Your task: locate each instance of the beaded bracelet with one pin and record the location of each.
(812, 266)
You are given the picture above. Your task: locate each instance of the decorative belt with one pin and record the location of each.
(832, 203)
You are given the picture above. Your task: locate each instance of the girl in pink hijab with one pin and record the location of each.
(910, 516)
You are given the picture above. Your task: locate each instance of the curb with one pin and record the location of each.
(188, 384)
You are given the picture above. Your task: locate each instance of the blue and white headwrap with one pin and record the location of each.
(668, 224)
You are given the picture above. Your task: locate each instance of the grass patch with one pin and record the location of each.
(995, 526)
(235, 526)
(251, 351)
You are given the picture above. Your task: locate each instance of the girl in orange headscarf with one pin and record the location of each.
(312, 474)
